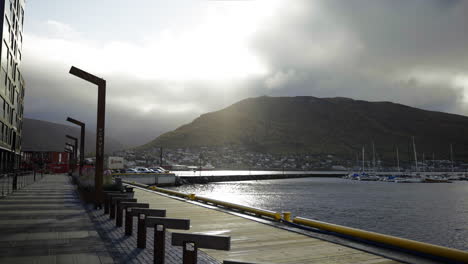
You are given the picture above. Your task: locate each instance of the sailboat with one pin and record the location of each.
(415, 178)
(365, 176)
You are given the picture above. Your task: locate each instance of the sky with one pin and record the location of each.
(168, 62)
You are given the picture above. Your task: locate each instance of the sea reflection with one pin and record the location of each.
(433, 213)
(190, 173)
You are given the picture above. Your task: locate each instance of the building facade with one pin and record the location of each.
(11, 84)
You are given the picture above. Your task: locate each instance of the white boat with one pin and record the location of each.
(409, 180)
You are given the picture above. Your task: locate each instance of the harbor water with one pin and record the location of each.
(190, 173)
(432, 213)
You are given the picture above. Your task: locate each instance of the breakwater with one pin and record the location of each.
(223, 178)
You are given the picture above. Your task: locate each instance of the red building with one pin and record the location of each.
(52, 161)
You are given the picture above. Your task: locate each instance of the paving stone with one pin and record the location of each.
(46, 222)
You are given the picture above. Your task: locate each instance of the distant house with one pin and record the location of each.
(52, 161)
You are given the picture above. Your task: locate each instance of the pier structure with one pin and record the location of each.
(43, 220)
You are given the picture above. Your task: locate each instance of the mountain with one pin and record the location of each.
(41, 135)
(339, 126)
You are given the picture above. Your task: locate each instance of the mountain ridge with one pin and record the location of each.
(306, 124)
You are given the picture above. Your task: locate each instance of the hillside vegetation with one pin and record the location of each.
(313, 125)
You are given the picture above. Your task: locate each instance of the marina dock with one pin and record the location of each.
(42, 220)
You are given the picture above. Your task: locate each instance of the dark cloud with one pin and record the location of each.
(403, 51)
(407, 52)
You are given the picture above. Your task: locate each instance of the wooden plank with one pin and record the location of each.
(252, 241)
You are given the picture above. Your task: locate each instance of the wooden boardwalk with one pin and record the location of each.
(252, 241)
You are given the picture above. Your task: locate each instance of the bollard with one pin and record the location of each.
(191, 243)
(141, 235)
(127, 207)
(106, 199)
(15, 182)
(287, 216)
(189, 253)
(112, 205)
(118, 210)
(160, 224)
(142, 213)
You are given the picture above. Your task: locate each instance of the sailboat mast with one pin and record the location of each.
(362, 158)
(415, 156)
(373, 156)
(397, 160)
(423, 163)
(451, 156)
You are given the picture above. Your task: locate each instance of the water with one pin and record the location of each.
(433, 213)
(250, 172)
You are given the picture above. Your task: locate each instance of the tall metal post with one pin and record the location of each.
(101, 115)
(75, 150)
(161, 156)
(82, 141)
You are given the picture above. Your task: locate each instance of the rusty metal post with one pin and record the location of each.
(82, 141)
(119, 211)
(189, 253)
(129, 215)
(112, 203)
(141, 233)
(128, 222)
(101, 116)
(107, 198)
(159, 244)
(75, 150)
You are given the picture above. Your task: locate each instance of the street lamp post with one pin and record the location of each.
(71, 162)
(70, 153)
(82, 141)
(101, 115)
(75, 150)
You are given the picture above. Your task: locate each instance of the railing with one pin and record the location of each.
(417, 247)
(191, 196)
(10, 182)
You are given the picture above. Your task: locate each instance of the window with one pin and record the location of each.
(2, 107)
(7, 135)
(1, 131)
(5, 53)
(6, 30)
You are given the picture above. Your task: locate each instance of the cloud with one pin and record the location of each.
(410, 52)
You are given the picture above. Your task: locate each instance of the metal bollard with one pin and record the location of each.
(127, 207)
(118, 212)
(15, 182)
(191, 243)
(107, 200)
(112, 203)
(189, 253)
(160, 224)
(141, 235)
(142, 213)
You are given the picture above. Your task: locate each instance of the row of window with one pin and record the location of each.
(9, 66)
(7, 135)
(10, 114)
(13, 37)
